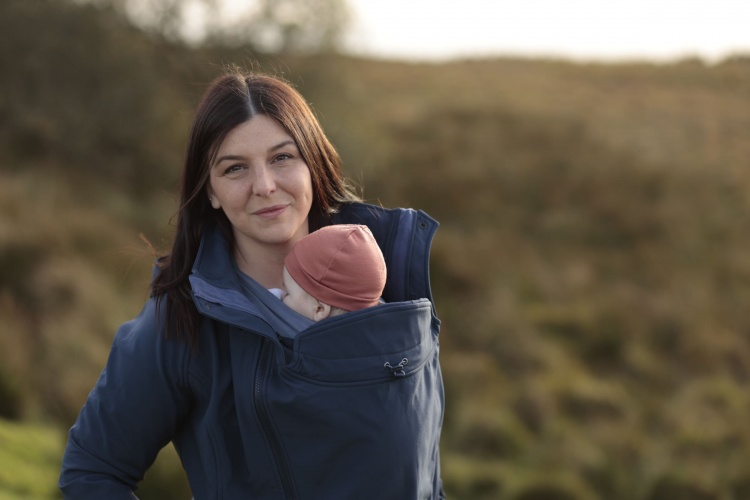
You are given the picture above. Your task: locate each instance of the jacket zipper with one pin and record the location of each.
(265, 421)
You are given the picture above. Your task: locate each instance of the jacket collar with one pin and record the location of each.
(217, 290)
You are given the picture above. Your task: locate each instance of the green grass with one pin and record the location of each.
(30, 457)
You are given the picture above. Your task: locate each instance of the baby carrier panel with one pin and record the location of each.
(364, 389)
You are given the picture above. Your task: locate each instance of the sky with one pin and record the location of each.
(587, 30)
(574, 29)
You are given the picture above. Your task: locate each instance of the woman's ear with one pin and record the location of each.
(322, 311)
(212, 198)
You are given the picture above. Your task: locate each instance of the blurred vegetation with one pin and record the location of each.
(591, 267)
(30, 459)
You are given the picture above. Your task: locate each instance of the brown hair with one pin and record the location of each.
(229, 101)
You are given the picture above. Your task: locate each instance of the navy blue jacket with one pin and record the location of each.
(350, 408)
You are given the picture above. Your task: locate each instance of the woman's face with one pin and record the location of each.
(262, 184)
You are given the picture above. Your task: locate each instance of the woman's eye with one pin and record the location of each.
(282, 157)
(233, 169)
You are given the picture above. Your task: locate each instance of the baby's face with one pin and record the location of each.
(297, 299)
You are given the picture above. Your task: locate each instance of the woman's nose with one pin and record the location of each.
(264, 183)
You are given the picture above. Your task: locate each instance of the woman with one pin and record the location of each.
(258, 401)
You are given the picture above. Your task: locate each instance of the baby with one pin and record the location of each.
(334, 270)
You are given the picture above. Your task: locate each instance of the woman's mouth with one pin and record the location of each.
(270, 212)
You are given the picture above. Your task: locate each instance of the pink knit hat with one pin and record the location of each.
(340, 265)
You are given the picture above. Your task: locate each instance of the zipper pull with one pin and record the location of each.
(398, 370)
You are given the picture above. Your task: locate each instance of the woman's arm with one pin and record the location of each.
(134, 410)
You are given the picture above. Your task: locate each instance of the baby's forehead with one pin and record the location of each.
(287, 278)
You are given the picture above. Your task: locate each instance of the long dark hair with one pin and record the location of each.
(229, 101)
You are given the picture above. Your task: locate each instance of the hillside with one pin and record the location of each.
(590, 270)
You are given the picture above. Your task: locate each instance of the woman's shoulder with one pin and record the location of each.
(390, 226)
(377, 216)
(144, 335)
(364, 209)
